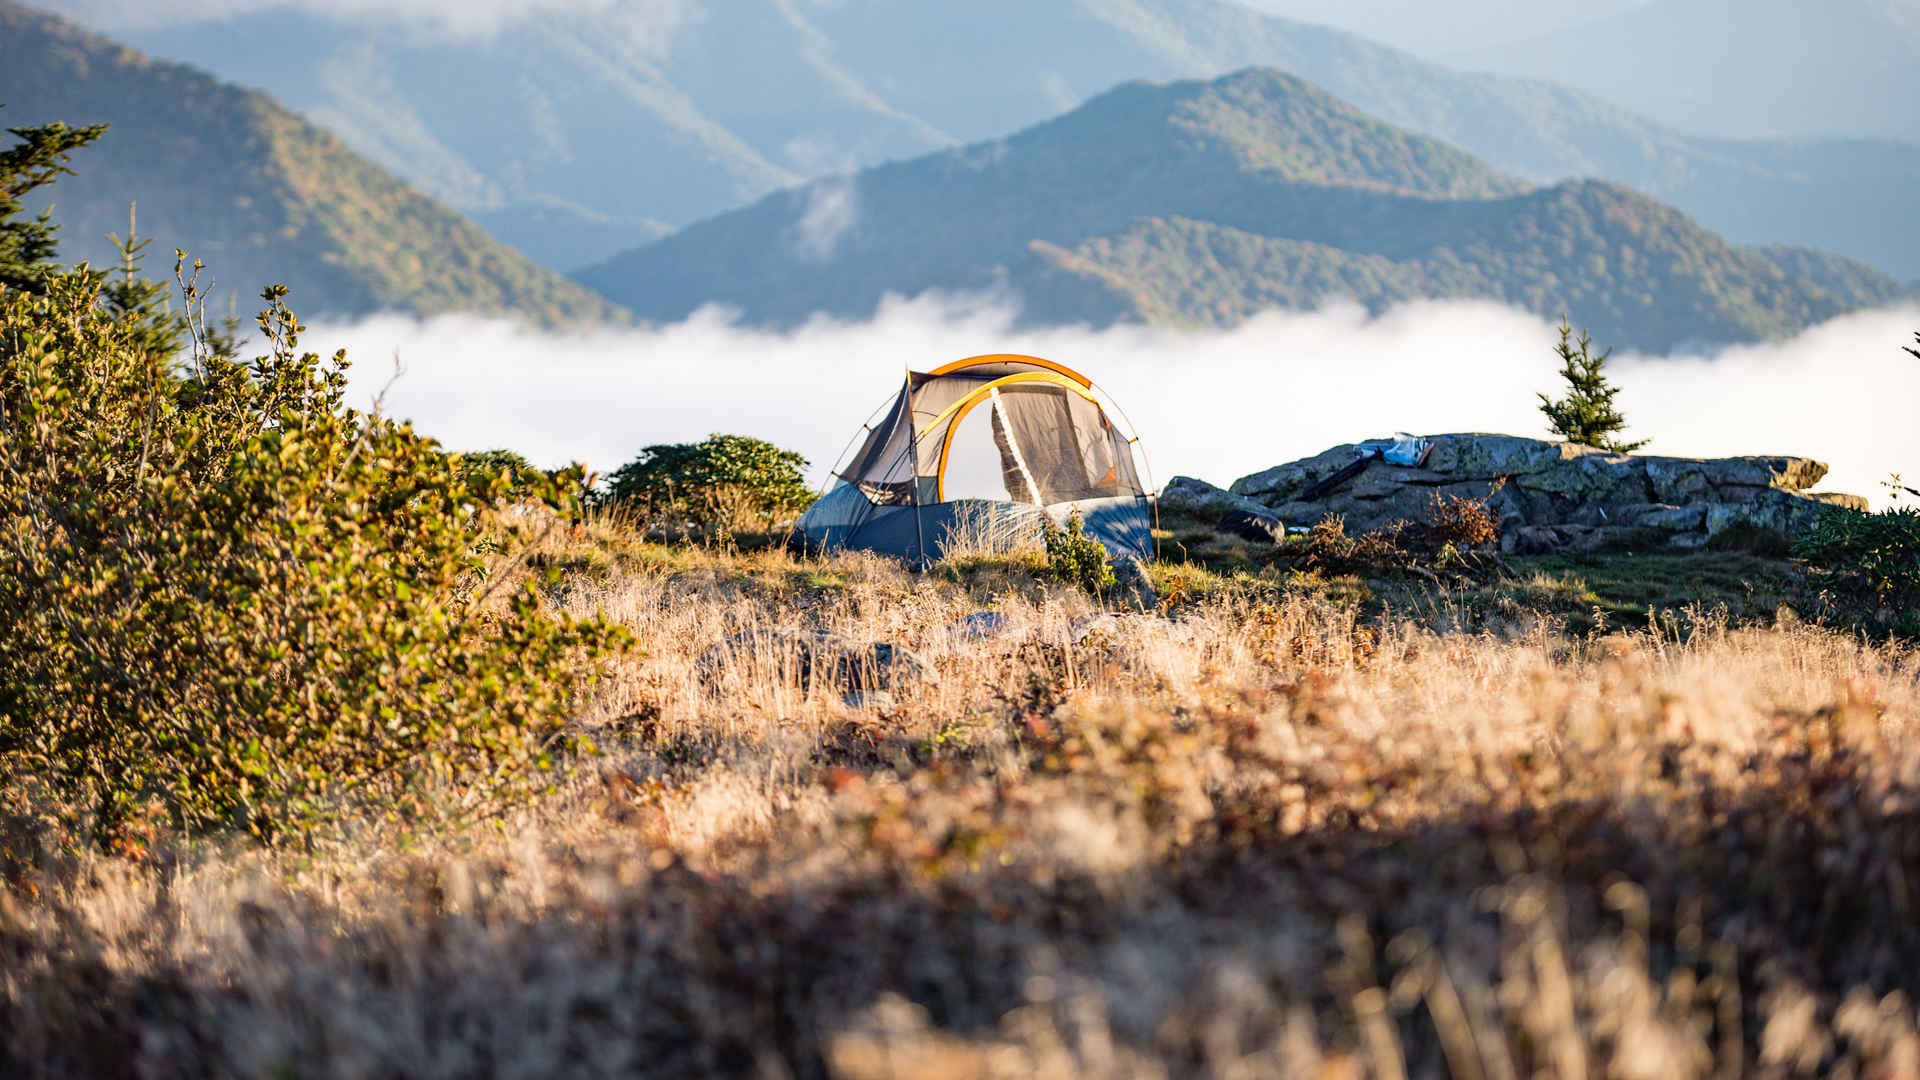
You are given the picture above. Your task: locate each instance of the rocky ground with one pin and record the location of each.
(1548, 496)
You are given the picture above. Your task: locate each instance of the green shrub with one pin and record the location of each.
(1074, 558)
(512, 471)
(228, 599)
(1881, 551)
(732, 482)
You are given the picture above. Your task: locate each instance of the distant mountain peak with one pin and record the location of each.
(1266, 121)
(1203, 202)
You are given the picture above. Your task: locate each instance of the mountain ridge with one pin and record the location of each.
(1342, 204)
(842, 87)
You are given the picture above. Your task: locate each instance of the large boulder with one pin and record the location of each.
(1561, 495)
(1186, 495)
(1227, 512)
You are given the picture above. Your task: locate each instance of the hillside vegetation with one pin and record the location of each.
(1265, 837)
(514, 128)
(1200, 202)
(1617, 257)
(256, 192)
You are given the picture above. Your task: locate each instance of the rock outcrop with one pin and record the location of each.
(1186, 495)
(1231, 513)
(1552, 495)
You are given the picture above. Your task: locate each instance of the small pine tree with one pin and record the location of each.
(1915, 352)
(1586, 414)
(137, 303)
(27, 244)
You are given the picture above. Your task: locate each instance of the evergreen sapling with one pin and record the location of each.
(1586, 414)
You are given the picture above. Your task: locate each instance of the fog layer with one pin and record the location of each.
(1212, 404)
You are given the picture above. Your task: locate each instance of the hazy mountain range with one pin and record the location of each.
(1192, 202)
(572, 136)
(253, 190)
(1430, 29)
(1202, 202)
(1758, 68)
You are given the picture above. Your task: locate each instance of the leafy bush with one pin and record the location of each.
(731, 482)
(229, 599)
(1330, 549)
(1881, 551)
(511, 471)
(1074, 558)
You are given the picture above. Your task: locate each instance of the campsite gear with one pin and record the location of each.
(986, 447)
(1405, 449)
(1410, 450)
(1342, 475)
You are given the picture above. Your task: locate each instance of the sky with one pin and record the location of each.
(1213, 404)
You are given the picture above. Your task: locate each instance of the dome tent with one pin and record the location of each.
(985, 444)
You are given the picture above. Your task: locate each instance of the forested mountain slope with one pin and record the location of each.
(1199, 202)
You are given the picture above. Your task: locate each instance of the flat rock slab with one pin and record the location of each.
(1546, 494)
(1130, 581)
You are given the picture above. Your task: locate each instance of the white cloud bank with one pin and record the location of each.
(1216, 404)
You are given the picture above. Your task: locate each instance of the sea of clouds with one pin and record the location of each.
(1216, 404)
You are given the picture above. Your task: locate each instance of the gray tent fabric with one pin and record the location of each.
(1059, 455)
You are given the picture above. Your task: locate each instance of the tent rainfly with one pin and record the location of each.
(985, 447)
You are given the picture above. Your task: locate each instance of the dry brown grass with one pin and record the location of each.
(1259, 839)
